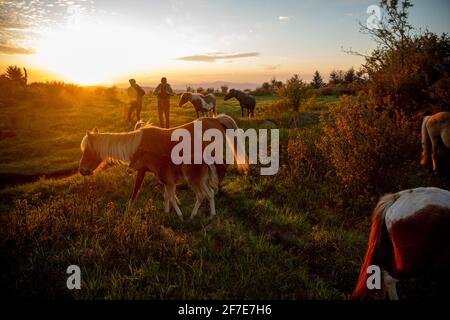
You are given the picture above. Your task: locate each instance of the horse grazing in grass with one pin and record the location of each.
(245, 100)
(98, 148)
(409, 237)
(202, 103)
(435, 129)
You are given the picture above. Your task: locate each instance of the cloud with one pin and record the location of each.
(20, 21)
(271, 67)
(5, 49)
(284, 18)
(214, 57)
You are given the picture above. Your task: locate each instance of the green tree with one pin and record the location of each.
(350, 76)
(295, 91)
(408, 67)
(317, 81)
(275, 85)
(14, 73)
(336, 77)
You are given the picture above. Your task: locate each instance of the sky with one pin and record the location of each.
(190, 41)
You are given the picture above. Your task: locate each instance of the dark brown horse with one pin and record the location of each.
(245, 100)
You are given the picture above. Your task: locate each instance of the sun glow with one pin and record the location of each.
(97, 53)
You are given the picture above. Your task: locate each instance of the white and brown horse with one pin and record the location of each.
(202, 103)
(435, 131)
(98, 147)
(409, 237)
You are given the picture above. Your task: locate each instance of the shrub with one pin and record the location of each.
(366, 146)
(295, 90)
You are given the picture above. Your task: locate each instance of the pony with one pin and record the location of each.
(202, 178)
(202, 103)
(245, 100)
(98, 148)
(409, 237)
(435, 130)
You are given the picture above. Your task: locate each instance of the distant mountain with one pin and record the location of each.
(179, 87)
(218, 84)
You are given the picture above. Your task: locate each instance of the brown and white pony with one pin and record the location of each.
(98, 148)
(202, 103)
(410, 236)
(435, 130)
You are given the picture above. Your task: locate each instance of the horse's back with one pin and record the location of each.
(418, 223)
(438, 122)
(409, 202)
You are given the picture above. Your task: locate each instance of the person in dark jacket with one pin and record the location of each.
(135, 94)
(163, 91)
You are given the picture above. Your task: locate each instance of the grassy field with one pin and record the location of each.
(269, 241)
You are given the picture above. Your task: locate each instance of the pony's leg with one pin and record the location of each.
(212, 206)
(242, 111)
(198, 114)
(198, 202)
(390, 283)
(166, 201)
(172, 198)
(434, 156)
(137, 185)
(210, 195)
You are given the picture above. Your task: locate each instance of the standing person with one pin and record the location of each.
(163, 91)
(135, 94)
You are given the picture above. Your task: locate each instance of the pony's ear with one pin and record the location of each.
(88, 133)
(95, 130)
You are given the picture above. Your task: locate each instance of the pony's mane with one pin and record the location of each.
(114, 147)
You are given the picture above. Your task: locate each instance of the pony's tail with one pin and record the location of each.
(228, 123)
(425, 143)
(379, 248)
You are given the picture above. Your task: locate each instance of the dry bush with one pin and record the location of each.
(278, 107)
(365, 146)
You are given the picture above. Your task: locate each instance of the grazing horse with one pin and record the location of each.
(202, 178)
(435, 129)
(245, 100)
(409, 237)
(98, 148)
(202, 103)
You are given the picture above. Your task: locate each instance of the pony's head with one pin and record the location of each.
(90, 159)
(138, 162)
(185, 98)
(230, 94)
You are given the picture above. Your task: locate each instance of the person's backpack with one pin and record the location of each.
(163, 94)
(140, 92)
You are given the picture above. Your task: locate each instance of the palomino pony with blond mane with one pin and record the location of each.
(120, 147)
(409, 237)
(435, 130)
(202, 103)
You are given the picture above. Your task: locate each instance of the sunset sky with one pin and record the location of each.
(106, 41)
